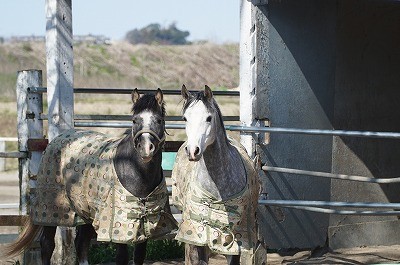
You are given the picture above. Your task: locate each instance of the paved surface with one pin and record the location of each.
(9, 193)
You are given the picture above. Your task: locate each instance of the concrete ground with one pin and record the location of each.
(9, 194)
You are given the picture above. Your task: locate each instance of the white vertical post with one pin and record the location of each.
(252, 82)
(247, 79)
(29, 107)
(59, 50)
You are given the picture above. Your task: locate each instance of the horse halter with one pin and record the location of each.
(161, 141)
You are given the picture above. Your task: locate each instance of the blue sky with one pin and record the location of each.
(215, 20)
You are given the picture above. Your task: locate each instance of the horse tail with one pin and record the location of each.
(24, 240)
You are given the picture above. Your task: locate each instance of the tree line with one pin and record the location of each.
(156, 34)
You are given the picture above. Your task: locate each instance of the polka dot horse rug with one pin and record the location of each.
(227, 227)
(77, 184)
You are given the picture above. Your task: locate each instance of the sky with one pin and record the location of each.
(213, 20)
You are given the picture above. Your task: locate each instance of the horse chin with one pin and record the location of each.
(194, 159)
(146, 159)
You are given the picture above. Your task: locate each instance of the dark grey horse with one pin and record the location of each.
(84, 161)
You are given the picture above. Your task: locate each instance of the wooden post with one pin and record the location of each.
(59, 48)
(29, 107)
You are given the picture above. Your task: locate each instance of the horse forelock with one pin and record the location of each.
(149, 102)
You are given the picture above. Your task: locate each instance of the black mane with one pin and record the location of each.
(211, 106)
(148, 102)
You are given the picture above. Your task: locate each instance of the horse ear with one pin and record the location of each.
(207, 92)
(159, 97)
(184, 92)
(135, 96)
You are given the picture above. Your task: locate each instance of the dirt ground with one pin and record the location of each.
(9, 193)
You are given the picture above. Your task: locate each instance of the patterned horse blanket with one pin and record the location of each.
(77, 184)
(227, 227)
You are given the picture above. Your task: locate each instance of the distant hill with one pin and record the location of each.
(123, 65)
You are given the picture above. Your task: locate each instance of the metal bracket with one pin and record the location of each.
(30, 116)
(263, 138)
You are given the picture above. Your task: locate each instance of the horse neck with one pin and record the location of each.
(224, 167)
(137, 177)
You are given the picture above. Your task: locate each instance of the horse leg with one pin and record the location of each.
(140, 253)
(47, 243)
(84, 235)
(122, 257)
(233, 259)
(196, 255)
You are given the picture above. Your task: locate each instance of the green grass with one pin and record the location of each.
(102, 49)
(7, 86)
(134, 61)
(156, 250)
(164, 250)
(27, 47)
(221, 88)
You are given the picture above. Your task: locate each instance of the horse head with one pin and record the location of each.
(148, 124)
(202, 118)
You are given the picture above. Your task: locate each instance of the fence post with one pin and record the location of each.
(248, 66)
(60, 68)
(29, 106)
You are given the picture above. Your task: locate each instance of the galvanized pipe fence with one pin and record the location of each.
(315, 206)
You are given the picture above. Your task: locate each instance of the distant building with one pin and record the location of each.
(91, 39)
(32, 38)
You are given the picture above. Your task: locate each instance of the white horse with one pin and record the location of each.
(215, 186)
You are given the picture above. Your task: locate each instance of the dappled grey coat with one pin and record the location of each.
(228, 226)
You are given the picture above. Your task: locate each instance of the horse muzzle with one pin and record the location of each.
(145, 144)
(193, 152)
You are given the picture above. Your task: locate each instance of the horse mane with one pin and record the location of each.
(148, 102)
(211, 106)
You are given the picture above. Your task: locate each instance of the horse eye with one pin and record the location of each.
(159, 121)
(184, 118)
(208, 119)
(134, 121)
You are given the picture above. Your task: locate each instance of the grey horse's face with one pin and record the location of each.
(200, 129)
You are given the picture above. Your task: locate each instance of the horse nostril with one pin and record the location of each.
(151, 147)
(196, 151)
(186, 149)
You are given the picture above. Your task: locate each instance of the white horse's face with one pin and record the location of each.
(200, 129)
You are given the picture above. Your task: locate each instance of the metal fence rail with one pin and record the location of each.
(99, 117)
(13, 154)
(254, 129)
(315, 206)
(9, 205)
(331, 175)
(369, 134)
(128, 91)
